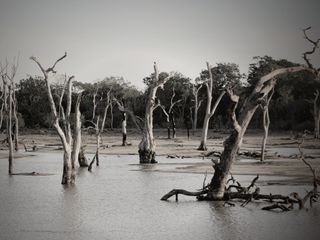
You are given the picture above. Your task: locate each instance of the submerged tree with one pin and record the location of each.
(9, 103)
(99, 123)
(147, 144)
(62, 121)
(216, 189)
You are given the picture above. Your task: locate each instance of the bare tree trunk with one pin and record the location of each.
(266, 123)
(168, 129)
(124, 128)
(9, 131)
(111, 116)
(16, 121)
(173, 124)
(209, 112)
(68, 174)
(197, 104)
(170, 116)
(234, 141)
(147, 144)
(65, 133)
(8, 94)
(1, 114)
(77, 134)
(316, 115)
(99, 127)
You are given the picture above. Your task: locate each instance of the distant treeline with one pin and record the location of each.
(291, 107)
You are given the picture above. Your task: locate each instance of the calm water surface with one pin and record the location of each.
(117, 202)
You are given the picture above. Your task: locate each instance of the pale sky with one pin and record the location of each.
(125, 37)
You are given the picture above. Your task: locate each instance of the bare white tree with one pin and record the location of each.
(8, 83)
(169, 114)
(197, 104)
(147, 145)
(99, 123)
(123, 112)
(70, 146)
(266, 122)
(209, 109)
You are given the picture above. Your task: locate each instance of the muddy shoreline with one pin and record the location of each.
(282, 157)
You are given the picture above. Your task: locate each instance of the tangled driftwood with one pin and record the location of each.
(250, 193)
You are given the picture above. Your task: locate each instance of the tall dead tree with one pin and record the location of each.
(266, 122)
(210, 110)
(99, 123)
(216, 190)
(147, 144)
(70, 145)
(8, 100)
(316, 110)
(170, 115)
(197, 104)
(316, 114)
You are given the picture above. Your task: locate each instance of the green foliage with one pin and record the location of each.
(33, 102)
(290, 108)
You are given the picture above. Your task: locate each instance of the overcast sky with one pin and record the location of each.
(125, 37)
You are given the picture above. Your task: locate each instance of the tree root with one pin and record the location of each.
(176, 192)
(281, 202)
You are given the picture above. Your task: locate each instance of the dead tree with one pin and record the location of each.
(197, 104)
(170, 115)
(147, 144)
(8, 93)
(216, 189)
(99, 124)
(316, 109)
(70, 145)
(209, 110)
(122, 110)
(316, 114)
(266, 122)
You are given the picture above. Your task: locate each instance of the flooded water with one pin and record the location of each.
(116, 202)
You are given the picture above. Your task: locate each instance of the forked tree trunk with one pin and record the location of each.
(209, 111)
(147, 144)
(99, 127)
(65, 132)
(266, 123)
(234, 141)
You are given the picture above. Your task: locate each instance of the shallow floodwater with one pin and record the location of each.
(117, 202)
